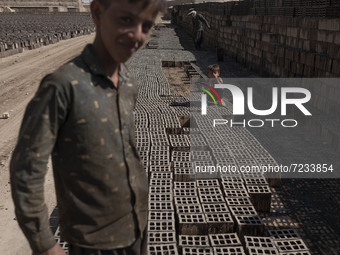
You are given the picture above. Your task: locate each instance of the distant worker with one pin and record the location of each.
(197, 21)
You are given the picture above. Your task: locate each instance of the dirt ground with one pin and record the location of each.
(19, 78)
(176, 77)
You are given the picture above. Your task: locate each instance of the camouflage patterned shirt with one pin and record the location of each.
(86, 124)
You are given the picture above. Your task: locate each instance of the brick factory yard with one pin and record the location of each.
(161, 70)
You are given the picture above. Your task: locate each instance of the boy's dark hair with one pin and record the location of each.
(159, 4)
(213, 68)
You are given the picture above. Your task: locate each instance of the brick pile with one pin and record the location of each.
(20, 31)
(275, 46)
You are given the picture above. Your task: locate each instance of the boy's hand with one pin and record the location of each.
(55, 250)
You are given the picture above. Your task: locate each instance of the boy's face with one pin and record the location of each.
(213, 74)
(123, 27)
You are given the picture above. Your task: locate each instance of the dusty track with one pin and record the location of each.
(19, 78)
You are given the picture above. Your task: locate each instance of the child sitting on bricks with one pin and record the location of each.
(82, 116)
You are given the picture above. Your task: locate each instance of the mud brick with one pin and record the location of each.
(335, 66)
(292, 245)
(322, 62)
(192, 224)
(208, 183)
(231, 178)
(161, 215)
(161, 237)
(329, 24)
(238, 201)
(260, 196)
(321, 47)
(260, 251)
(243, 210)
(186, 200)
(159, 149)
(201, 156)
(184, 174)
(160, 182)
(159, 197)
(185, 193)
(183, 164)
(236, 193)
(337, 38)
(253, 175)
(193, 240)
(160, 162)
(249, 225)
(233, 250)
(259, 242)
(284, 234)
(303, 44)
(160, 189)
(197, 251)
(161, 175)
(227, 185)
(159, 157)
(215, 208)
(219, 223)
(189, 209)
(201, 153)
(185, 185)
(161, 249)
(255, 181)
(180, 154)
(310, 59)
(211, 199)
(209, 191)
(229, 239)
(161, 226)
(159, 206)
(296, 253)
(308, 71)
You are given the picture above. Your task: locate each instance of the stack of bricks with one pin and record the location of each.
(190, 217)
(37, 30)
(260, 245)
(194, 244)
(274, 45)
(215, 209)
(161, 228)
(246, 218)
(288, 241)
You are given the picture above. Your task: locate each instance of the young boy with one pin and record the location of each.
(214, 73)
(81, 115)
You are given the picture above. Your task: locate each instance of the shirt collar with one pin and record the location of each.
(96, 68)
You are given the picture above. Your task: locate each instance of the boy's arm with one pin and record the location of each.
(204, 20)
(39, 129)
